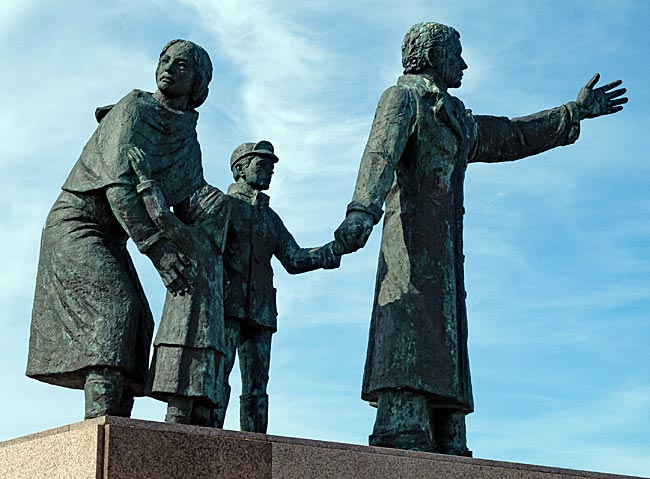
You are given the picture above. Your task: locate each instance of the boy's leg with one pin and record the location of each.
(232, 332)
(179, 410)
(254, 362)
(202, 416)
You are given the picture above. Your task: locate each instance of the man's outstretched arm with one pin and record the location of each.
(502, 139)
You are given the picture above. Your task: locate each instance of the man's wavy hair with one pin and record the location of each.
(202, 70)
(420, 40)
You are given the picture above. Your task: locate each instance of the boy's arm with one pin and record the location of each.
(300, 260)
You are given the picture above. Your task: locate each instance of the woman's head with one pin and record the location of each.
(173, 71)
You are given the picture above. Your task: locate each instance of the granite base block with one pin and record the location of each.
(118, 448)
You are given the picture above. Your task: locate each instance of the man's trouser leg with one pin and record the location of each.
(254, 362)
(402, 421)
(450, 433)
(103, 392)
(231, 332)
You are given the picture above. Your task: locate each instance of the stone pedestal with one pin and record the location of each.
(118, 448)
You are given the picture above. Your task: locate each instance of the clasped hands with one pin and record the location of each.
(354, 232)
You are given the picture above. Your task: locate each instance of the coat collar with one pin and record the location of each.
(245, 192)
(423, 84)
(449, 109)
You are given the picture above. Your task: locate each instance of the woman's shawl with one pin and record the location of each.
(168, 138)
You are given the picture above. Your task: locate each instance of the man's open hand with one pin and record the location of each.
(593, 102)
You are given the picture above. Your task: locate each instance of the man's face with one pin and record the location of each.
(450, 67)
(259, 171)
(175, 72)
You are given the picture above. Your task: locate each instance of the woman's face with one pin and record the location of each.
(175, 72)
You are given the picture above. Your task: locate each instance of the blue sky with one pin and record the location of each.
(557, 246)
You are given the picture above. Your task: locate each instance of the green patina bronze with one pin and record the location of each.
(231, 308)
(91, 325)
(189, 346)
(255, 235)
(421, 141)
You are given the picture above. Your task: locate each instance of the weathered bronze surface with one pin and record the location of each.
(188, 348)
(256, 234)
(421, 141)
(91, 324)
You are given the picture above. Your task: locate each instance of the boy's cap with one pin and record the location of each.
(261, 148)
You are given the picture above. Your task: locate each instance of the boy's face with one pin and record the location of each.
(258, 173)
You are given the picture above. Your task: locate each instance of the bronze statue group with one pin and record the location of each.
(140, 176)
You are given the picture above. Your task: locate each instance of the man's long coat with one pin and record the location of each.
(420, 143)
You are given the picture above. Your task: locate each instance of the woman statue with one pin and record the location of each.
(91, 324)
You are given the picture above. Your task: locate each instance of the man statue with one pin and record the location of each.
(422, 138)
(256, 234)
